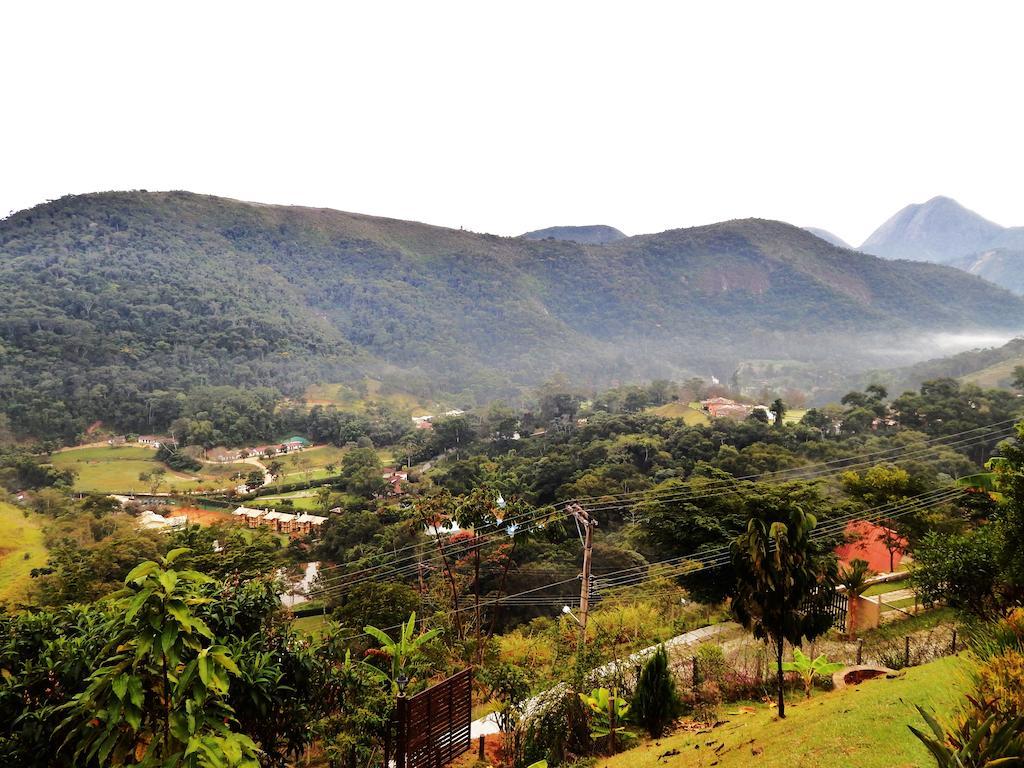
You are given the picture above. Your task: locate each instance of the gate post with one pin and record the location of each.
(402, 731)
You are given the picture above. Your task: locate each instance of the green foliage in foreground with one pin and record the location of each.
(161, 694)
(181, 671)
(978, 741)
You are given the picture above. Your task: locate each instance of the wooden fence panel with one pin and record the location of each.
(437, 722)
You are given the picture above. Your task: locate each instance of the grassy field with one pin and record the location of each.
(793, 415)
(861, 727)
(299, 500)
(994, 376)
(690, 415)
(19, 536)
(353, 399)
(882, 588)
(310, 625)
(108, 469)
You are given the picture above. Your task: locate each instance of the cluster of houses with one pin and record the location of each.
(724, 408)
(293, 524)
(229, 455)
(426, 421)
(150, 441)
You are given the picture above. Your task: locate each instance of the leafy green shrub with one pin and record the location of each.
(809, 668)
(711, 665)
(982, 739)
(554, 726)
(655, 702)
(608, 716)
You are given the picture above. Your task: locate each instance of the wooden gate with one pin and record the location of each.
(432, 727)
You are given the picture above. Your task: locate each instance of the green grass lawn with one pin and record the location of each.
(793, 415)
(348, 399)
(860, 727)
(690, 415)
(311, 625)
(995, 375)
(881, 589)
(107, 470)
(19, 535)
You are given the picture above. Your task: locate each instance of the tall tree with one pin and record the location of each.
(782, 580)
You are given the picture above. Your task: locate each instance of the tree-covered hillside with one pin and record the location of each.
(117, 302)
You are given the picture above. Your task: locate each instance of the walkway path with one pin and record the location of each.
(488, 725)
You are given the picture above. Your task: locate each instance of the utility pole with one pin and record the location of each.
(583, 517)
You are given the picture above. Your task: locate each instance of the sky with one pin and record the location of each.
(507, 117)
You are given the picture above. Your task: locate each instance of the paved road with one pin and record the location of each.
(487, 725)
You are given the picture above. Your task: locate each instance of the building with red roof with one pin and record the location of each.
(867, 541)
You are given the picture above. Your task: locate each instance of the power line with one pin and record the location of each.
(414, 562)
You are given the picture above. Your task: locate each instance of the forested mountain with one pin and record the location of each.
(989, 367)
(117, 302)
(594, 234)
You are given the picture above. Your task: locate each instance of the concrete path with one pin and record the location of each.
(488, 725)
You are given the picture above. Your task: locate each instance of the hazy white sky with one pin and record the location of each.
(504, 117)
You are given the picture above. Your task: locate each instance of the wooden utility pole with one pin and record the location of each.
(583, 517)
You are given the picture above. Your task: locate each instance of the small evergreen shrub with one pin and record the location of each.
(655, 702)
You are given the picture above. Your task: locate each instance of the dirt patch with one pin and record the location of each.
(860, 675)
(204, 516)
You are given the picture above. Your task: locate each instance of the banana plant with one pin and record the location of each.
(982, 739)
(608, 714)
(809, 668)
(402, 652)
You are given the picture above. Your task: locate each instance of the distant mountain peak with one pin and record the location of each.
(828, 237)
(939, 230)
(591, 234)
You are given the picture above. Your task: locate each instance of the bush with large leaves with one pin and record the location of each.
(160, 694)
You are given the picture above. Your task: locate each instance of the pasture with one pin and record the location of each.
(21, 550)
(108, 469)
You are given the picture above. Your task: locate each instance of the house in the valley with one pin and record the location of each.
(150, 521)
(294, 443)
(282, 522)
(306, 524)
(153, 441)
(864, 540)
(395, 480)
(252, 517)
(292, 524)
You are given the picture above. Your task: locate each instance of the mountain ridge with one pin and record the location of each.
(589, 234)
(142, 292)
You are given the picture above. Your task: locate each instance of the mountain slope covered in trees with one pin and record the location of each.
(118, 302)
(594, 234)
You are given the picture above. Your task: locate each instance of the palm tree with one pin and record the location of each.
(781, 581)
(855, 579)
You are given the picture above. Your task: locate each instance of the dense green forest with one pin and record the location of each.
(118, 304)
(113, 605)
